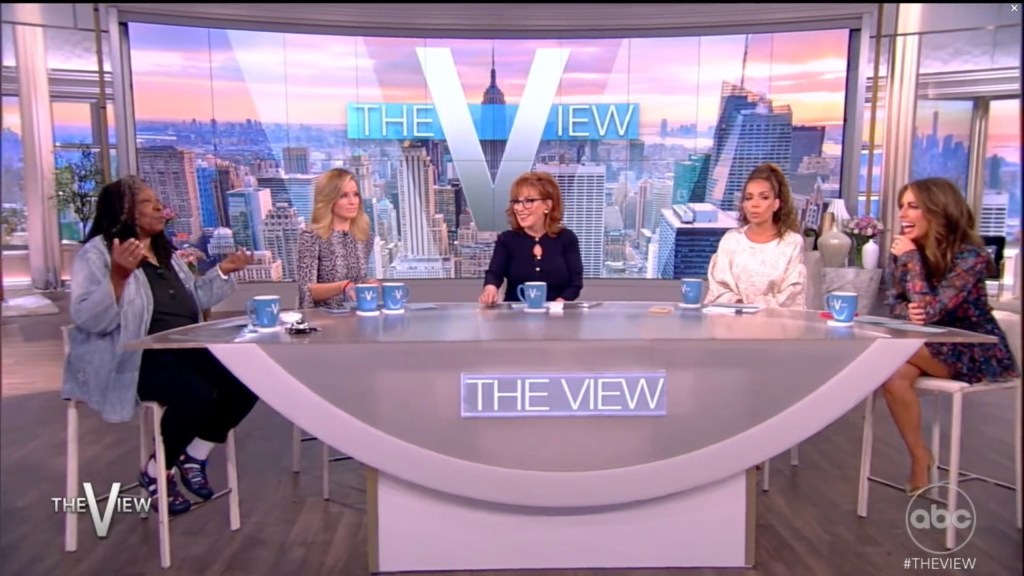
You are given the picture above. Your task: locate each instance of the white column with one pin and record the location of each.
(975, 192)
(44, 254)
(853, 136)
(900, 109)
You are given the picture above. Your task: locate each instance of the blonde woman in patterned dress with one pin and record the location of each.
(938, 277)
(762, 261)
(334, 251)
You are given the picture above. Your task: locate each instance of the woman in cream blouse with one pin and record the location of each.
(761, 262)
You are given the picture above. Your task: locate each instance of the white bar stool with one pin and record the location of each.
(766, 468)
(956, 391)
(152, 412)
(297, 439)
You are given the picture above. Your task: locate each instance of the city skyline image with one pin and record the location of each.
(235, 75)
(266, 113)
(650, 139)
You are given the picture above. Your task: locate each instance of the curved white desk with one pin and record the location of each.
(449, 492)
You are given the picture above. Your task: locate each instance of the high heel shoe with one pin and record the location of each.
(916, 490)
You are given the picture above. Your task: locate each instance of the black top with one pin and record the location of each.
(560, 264)
(173, 304)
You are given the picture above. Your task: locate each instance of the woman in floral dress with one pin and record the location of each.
(939, 278)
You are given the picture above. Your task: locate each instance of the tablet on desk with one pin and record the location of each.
(342, 309)
(576, 305)
(582, 305)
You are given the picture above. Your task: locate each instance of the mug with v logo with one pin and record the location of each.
(263, 311)
(842, 305)
(534, 294)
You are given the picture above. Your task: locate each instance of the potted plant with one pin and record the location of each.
(78, 183)
(863, 231)
(193, 257)
(12, 220)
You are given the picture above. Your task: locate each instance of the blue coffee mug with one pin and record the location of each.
(842, 306)
(263, 311)
(366, 297)
(693, 291)
(396, 294)
(534, 294)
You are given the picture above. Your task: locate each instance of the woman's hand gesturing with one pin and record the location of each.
(125, 257)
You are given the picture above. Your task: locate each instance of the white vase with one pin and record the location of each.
(869, 254)
(834, 247)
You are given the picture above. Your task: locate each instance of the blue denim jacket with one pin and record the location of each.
(97, 370)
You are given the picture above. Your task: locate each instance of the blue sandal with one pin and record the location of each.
(177, 503)
(193, 476)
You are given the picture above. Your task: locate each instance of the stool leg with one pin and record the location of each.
(954, 467)
(143, 458)
(936, 447)
(234, 514)
(296, 448)
(1017, 458)
(71, 520)
(794, 455)
(161, 486)
(766, 470)
(326, 459)
(867, 439)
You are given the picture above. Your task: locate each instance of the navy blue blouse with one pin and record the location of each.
(560, 264)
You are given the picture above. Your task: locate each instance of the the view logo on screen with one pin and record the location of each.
(463, 126)
(400, 121)
(576, 394)
(116, 502)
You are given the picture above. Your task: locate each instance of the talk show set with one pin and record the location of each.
(519, 289)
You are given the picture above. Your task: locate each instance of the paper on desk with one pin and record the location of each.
(915, 328)
(732, 309)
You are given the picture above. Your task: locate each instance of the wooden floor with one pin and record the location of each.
(806, 524)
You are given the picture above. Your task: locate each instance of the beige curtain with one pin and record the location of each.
(44, 253)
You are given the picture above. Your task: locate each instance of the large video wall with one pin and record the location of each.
(234, 127)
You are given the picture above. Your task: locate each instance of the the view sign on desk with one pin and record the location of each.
(566, 394)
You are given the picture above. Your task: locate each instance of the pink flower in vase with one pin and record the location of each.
(864, 226)
(192, 257)
(862, 230)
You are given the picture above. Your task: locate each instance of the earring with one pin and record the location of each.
(545, 211)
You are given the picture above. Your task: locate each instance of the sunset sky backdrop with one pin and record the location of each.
(181, 73)
(308, 79)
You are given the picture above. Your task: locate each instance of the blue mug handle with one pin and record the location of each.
(829, 299)
(250, 311)
(520, 292)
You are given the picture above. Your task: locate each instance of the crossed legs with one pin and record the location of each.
(905, 408)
